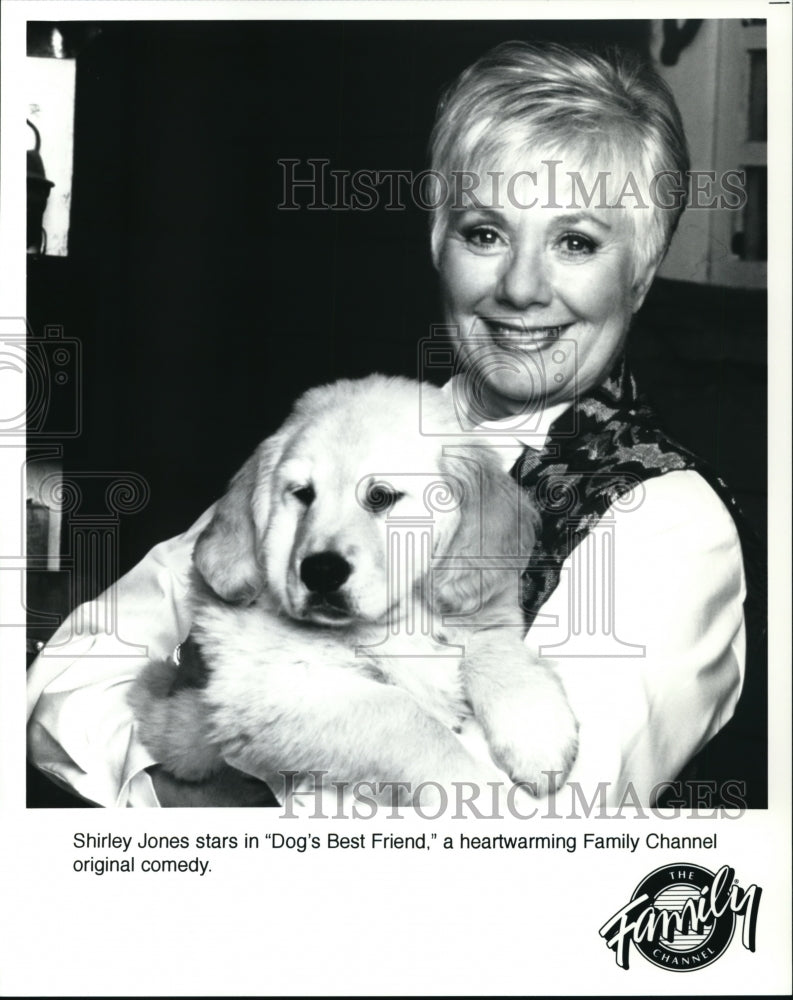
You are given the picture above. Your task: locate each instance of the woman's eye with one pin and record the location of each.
(305, 494)
(577, 244)
(482, 237)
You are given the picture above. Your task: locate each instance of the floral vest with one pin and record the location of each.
(597, 453)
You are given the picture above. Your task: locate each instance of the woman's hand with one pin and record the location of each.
(228, 787)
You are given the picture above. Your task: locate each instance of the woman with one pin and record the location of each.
(570, 184)
(557, 189)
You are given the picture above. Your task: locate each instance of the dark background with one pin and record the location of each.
(202, 309)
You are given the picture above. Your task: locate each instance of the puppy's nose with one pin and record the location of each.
(324, 572)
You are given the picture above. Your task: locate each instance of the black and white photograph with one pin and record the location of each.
(396, 485)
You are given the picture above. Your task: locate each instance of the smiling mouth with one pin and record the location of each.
(522, 338)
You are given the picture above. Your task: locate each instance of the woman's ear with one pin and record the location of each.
(642, 281)
(228, 551)
(438, 226)
(485, 555)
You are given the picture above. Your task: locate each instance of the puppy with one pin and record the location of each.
(356, 601)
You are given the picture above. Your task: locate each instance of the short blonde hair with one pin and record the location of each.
(522, 102)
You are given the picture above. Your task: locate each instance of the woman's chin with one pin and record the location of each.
(500, 392)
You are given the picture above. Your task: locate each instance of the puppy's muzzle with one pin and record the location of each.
(323, 574)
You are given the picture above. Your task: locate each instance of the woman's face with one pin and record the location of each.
(541, 297)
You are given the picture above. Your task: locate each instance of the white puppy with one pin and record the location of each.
(357, 598)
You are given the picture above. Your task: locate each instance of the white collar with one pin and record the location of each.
(529, 429)
(510, 435)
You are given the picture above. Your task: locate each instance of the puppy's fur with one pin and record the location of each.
(335, 639)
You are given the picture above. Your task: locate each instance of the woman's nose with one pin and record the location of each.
(524, 281)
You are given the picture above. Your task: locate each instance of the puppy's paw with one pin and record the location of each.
(532, 733)
(173, 725)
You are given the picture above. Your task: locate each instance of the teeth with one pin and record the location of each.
(540, 330)
(519, 336)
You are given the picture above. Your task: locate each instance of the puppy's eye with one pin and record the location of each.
(380, 497)
(305, 494)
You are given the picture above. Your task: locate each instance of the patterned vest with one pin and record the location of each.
(597, 453)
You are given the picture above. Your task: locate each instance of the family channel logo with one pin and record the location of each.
(682, 917)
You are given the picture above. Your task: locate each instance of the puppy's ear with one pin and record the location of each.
(493, 539)
(228, 551)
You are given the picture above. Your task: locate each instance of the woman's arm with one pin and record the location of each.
(646, 632)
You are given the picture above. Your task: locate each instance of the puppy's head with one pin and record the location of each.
(332, 514)
(305, 517)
